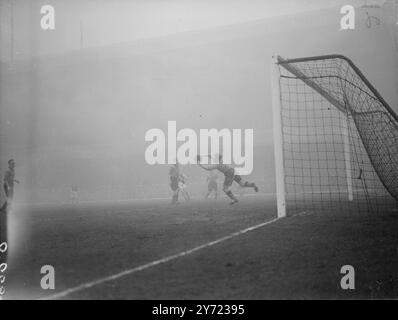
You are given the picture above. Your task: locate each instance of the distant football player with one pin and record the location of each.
(229, 177)
(174, 175)
(212, 185)
(182, 186)
(74, 194)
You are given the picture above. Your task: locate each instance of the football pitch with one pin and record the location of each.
(200, 249)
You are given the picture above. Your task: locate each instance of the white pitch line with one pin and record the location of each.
(153, 263)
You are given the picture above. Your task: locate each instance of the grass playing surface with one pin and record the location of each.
(294, 257)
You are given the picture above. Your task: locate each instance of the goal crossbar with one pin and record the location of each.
(287, 64)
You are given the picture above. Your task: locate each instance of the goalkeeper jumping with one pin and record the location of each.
(230, 177)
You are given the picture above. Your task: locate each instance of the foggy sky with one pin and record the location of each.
(93, 23)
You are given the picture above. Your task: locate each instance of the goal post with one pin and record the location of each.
(347, 161)
(278, 139)
(335, 138)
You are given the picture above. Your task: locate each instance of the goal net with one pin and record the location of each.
(336, 139)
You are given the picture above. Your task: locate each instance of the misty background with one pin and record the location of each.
(77, 101)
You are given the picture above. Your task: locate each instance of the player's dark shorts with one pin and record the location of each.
(230, 177)
(212, 186)
(174, 184)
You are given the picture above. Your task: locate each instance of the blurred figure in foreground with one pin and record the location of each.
(8, 184)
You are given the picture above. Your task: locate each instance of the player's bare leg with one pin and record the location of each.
(246, 184)
(174, 199)
(209, 193)
(185, 194)
(229, 193)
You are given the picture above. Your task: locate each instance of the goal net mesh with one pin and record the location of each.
(340, 138)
